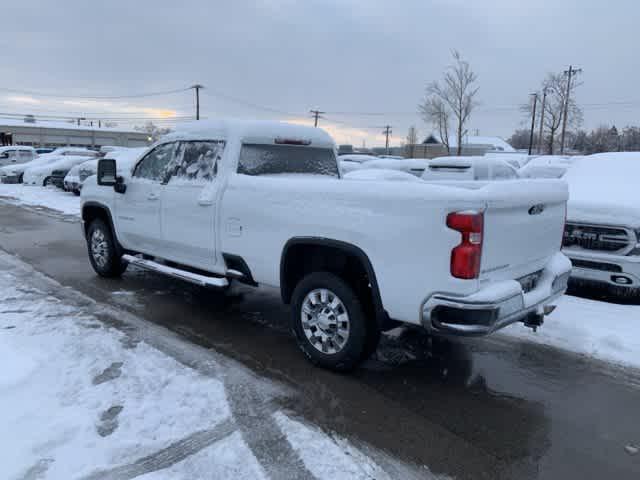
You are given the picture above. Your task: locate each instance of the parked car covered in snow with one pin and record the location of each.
(126, 158)
(71, 182)
(547, 166)
(53, 172)
(265, 203)
(353, 161)
(465, 169)
(15, 173)
(16, 154)
(602, 233)
(414, 166)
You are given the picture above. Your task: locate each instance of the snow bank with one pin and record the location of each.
(49, 197)
(602, 330)
(81, 399)
(604, 189)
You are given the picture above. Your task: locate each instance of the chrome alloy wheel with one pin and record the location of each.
(99, 248)
(325, 321)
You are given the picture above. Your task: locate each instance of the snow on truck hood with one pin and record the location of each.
(255, 131)
(604, 189)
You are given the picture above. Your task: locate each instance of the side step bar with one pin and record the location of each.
(202, 280)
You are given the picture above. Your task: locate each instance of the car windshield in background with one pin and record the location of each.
(262, 159)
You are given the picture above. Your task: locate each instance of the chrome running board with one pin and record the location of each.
(202, 280)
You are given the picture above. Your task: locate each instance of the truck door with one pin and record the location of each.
(188, 211)
(138, 210)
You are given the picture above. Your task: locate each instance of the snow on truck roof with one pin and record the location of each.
(258, 131)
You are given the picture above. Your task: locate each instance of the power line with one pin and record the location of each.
(94, 97)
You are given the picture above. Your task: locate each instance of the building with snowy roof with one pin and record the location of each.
(38, 133)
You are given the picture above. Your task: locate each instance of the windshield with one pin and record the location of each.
(262, 159)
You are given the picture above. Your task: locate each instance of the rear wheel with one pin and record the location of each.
(21, 178)
(329, 323)
(104, 254)
(47, 181)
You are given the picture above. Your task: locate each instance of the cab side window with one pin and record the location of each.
(154, 165)
(196, 161)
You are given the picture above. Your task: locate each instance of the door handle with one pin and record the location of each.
(152, 196)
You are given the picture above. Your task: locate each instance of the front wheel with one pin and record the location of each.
(47, 181)
(328, 322)
(104, 254)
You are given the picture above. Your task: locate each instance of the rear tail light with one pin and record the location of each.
(465, 258)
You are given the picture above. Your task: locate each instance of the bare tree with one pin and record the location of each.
(154, 131)
(412, 139)
(556, 85)
(456, 93)
(436, 113)
(519, 139)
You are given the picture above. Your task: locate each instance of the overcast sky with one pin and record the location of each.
(334, 55)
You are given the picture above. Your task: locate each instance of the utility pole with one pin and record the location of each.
(316, 115)
(387, 132)
(533, 120)
(569, 74)
(540, 135)
(197, 88)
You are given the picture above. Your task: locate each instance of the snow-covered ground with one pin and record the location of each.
(88, 397)
(49, 197)
(601, 330)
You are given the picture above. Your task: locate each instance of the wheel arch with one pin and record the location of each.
(93, 210)
(290, 273)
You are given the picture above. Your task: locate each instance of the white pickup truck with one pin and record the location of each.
(264, 203)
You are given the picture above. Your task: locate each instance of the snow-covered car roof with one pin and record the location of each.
(252, 131)
(603, 188)
(65, 162)
(357, 158)
(16, 147)
(547, 166)
(405, 164)
(381, 174)
(469, 168)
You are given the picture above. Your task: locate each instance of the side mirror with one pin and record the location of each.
(107, 172)
(120, 186)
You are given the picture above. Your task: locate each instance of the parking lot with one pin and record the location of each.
(504, 407)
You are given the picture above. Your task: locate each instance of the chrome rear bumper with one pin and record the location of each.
(498, 305)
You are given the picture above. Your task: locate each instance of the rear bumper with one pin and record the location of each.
(606, 269)
(498, 305)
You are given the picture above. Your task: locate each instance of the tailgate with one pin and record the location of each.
(523, 227)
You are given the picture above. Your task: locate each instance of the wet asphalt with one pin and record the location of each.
(470, 409)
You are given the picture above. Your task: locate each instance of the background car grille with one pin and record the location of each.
(592, 237)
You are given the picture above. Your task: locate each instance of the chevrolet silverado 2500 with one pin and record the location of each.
(264, 203)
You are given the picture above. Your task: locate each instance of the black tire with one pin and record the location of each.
(47, 181)
(353, 351)
(106, 260)
(21, 178)
(76, 193)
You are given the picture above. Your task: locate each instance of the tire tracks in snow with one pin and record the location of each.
(250, 398)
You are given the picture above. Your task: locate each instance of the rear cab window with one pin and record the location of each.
(285, 157)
